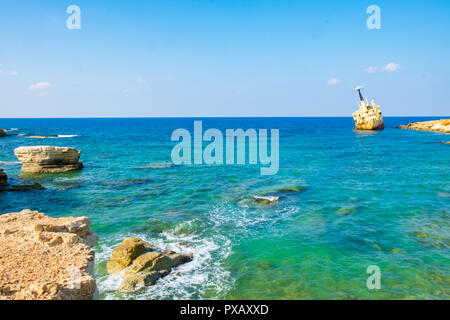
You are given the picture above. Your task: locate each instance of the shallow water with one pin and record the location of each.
(363, 198)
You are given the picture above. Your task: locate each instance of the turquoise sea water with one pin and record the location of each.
(367, 198)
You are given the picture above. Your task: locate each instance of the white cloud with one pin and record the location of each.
(391, 66)
(39, 86)
(11, 73)
(334, 81)
(372, 69)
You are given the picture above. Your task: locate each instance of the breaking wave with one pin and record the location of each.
(205, 274)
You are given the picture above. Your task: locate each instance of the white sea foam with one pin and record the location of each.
(53, 137)
(188, 281)
(244, 217)
(9, 163)
(267, 198)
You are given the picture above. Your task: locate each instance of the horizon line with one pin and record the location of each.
(211, 117)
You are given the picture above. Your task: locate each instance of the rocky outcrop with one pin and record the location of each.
(442, 125)
(48, 159)
(141, 264)
(368, 117)
(3, 178)
(44, 258)
(3, 133)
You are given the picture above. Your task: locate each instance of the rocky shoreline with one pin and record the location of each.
(44, 258)
(442, 125)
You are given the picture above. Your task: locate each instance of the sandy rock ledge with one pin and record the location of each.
(442, 125)
(44, 258)
(48, 159)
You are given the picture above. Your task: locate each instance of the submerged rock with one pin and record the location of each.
(44, 258)
(141, 263)
(442, 125)
(3, 178)
(295, 189)
(273, 197)
(48, 159)
(368, 117)
(122, 184)
(27, 187)
(157, 165)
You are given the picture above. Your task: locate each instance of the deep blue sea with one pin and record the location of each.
(357, 199)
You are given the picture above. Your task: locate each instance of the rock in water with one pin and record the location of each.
(368, 117)
(442, 125)
(141, 263)
(123, 255)
(3, 178)
(3, 133)
(27, 187)
(44, 258)
(267, 200)
(48, 159)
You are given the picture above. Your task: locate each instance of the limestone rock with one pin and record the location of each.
(48, 159)
(3, 178)
(442, 125)
(44, 258)
(139, 280)
(141, 263)
(368, 117)
(123, 255)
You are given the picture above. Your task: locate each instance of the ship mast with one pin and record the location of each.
(360, 95)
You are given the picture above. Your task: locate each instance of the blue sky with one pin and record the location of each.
(222, 58)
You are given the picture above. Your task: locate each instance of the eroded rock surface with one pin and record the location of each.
(142, 264)
(442, 125)
(44, 258)
(48, 159)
